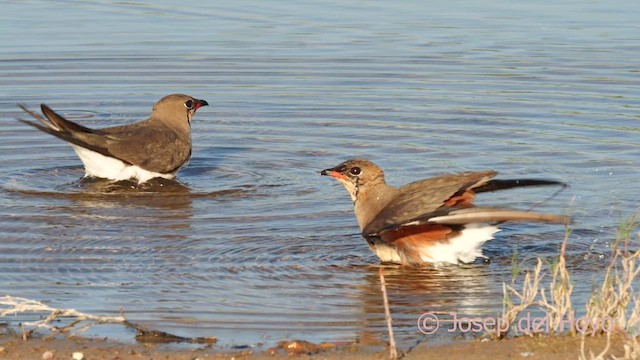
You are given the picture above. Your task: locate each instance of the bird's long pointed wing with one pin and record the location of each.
(494, 215)
(424, 197)
(453, 218)
(66, 130)
(500, 184)
(64, 124)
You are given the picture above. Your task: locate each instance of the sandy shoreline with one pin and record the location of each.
(539, 347)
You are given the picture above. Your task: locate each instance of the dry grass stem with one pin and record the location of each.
(592, 356)
(558, 307)
(526, 297)
(614, 306)
(618, 297)
(393, 351)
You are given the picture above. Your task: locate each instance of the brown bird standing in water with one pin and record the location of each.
(432, 220)
(156, 147)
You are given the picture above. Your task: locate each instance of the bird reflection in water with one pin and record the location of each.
(412, 291)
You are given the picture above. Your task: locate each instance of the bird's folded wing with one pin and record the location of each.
(494, 215)
(424, 197)
(453, 217)
(68, 131)
(153, 148)
(60, 122)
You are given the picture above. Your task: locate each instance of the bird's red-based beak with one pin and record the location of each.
(200, 103)
(333, 173)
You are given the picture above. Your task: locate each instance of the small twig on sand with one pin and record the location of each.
(393, 352)
(10, 305)
(15, 305)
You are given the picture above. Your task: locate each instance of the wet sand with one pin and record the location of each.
(542, 347)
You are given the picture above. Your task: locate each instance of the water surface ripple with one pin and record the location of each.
(251, 244)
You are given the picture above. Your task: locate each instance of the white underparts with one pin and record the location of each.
(465, 247)
(386, 253)
(98, 165)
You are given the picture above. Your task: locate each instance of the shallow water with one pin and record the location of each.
(252, 245)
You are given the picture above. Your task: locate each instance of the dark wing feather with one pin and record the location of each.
(453, 217)
(64, 124)
(495, 185)
(66, 130)
(36, 116)
(424, 197)
(490, 215)
(68, 138)
(155, 148)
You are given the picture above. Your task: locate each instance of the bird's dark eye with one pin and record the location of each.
(189, 104)
(355, 171)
